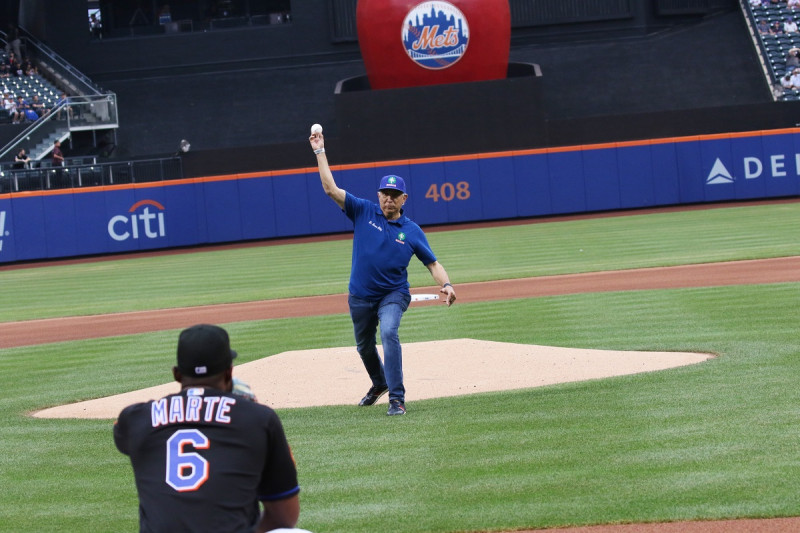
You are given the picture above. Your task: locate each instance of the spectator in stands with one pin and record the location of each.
(58, 157)
(9, 104)
(13, 41)
(763, 27)
(25, 111)
(13, 64)
(38, 106)
(28, 68)
(22, 160)
(786, 81)
(63, 99)
(30, 114)
(795, 79)
(19, 110)
(5, 72)
(790, 26)
(776, 28)
(792, 59)
(95, 26)
(793, 4)
(164, 15)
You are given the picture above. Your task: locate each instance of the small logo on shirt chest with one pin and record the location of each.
(374, 225)
(401, 238)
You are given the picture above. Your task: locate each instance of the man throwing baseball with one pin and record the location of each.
(384, 240)
(204, 457)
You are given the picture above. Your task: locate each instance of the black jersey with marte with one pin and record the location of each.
(202, 460)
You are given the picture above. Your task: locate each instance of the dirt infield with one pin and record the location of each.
(457, 367)
(705, 275)
(23, 333)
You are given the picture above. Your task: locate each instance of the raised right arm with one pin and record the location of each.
(325, 175)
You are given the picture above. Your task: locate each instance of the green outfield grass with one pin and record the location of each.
(279, 271)
(708, 441)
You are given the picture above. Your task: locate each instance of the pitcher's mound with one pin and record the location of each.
(434, 369)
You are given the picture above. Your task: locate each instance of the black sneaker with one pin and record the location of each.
(396, 407)
(373, 394)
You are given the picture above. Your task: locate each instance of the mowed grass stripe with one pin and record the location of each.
(289, 270)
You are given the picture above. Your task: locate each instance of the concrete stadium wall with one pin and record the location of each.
(457, 189)
(65, 29)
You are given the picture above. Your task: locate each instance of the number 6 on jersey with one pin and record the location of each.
(186, 471)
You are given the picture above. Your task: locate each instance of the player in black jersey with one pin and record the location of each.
(203, 458)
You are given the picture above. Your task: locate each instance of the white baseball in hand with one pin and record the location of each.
(316, 128)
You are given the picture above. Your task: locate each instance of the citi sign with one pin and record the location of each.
(753, 168)
(146, 224)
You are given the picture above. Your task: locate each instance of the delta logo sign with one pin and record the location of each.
(435, 35)
(144, 221)
(777, 166)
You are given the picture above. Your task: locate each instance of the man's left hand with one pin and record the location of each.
(450, 295)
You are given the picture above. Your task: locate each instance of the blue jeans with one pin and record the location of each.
(386, 312)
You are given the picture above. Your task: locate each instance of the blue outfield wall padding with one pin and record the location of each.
(567, 182)
(8, 251)
(666, 179)
(28, 227)
(223, 211)
(636, 175)
(60, 226)
(202, 220)
(602, 179)
(691, 179)
(292, 215)
(91, 219)
(256, 201)
(115, 219)
(495, 186)
(532, 185)
(185, 219)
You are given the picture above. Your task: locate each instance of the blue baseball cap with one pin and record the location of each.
(393, 182)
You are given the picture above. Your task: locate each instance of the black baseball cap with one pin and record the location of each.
(204, 350)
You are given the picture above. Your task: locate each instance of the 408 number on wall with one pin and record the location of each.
(448, 192)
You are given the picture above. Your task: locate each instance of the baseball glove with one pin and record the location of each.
(240, 388)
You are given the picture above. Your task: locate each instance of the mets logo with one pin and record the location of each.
(435, 35)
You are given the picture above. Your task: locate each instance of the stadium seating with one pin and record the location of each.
(27, 86)
(774, 48)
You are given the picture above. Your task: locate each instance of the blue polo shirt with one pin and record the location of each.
(382, 249)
